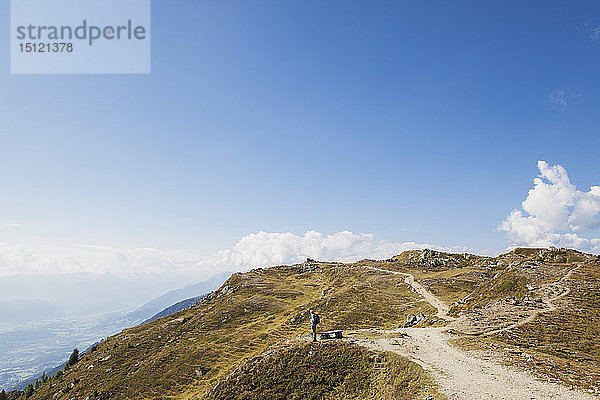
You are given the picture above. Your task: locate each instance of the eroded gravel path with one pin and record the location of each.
(464, 375)
(442, 308)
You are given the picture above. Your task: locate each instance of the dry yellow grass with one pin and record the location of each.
(186, 354)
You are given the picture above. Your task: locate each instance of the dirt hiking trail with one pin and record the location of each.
(442, 308)
(460, 374)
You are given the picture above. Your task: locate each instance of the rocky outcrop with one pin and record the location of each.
(412, 319)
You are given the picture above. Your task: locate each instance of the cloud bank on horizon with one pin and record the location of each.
(263, 248)
(260, 249)
(555, 213)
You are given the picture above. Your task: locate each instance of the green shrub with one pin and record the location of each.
(28, 392)
(310, 371)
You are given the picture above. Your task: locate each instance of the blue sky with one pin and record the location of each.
(412, 121)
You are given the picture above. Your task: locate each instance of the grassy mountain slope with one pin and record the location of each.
(245, 335)
(186, 354)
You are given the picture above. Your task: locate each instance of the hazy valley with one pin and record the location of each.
(37, 336)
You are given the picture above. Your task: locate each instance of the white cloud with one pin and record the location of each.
(12, 226)
(94, 258)
(559, 99)
(264, 249)
(562, 99)
(555, 213)
(260, 249)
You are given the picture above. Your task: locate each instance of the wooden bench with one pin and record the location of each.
(331, 335)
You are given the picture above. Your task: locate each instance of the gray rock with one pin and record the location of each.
(411, 320)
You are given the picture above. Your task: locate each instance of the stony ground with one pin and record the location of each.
(468, 374)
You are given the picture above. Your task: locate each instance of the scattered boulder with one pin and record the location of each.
(412, 319)
(431, 258)
(309, 266)
(175, 321)
(201, 372)
(552, 255)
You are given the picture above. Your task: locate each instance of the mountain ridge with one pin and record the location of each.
(188, 353)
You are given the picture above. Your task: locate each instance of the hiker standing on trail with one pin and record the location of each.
(314, 320)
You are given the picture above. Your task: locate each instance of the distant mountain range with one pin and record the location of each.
(94, 293)
(28, 310)
(39, 324)
(182, 305)
(173, 297)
